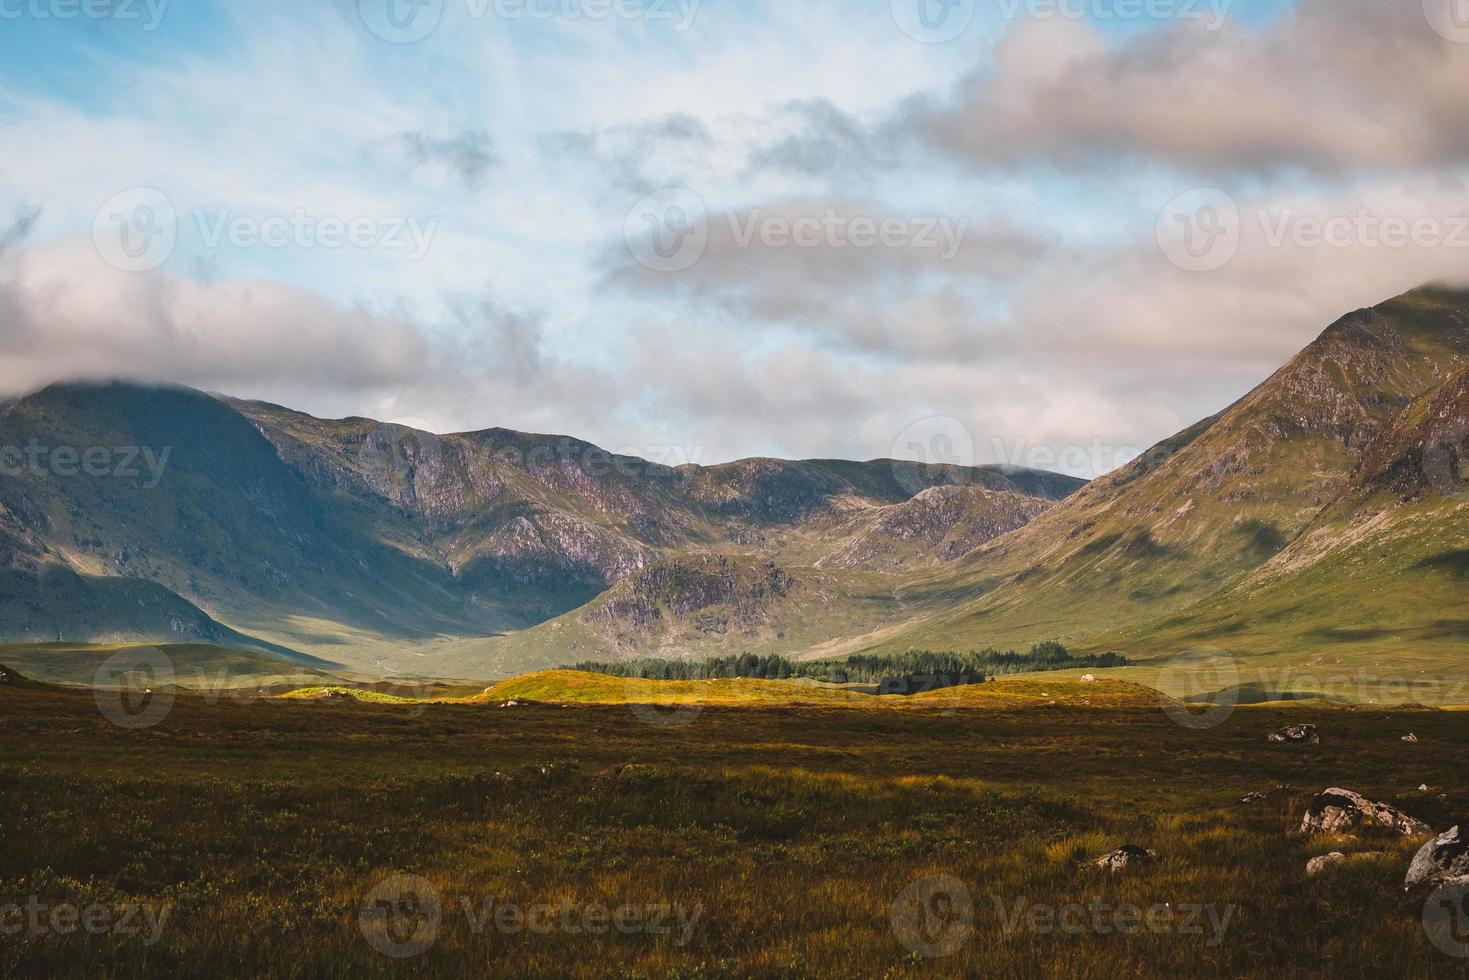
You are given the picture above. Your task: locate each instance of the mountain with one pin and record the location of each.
(1319, 521)
(383, 547)
(1300, 519)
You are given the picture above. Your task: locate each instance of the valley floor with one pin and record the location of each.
(335, 838)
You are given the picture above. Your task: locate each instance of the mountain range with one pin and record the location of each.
(1319, 520)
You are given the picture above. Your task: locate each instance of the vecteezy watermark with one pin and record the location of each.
(38, 918)
(1093, 459)
(933, 21)
(938, 21)
(1207, 685)
(1201, 230)
(934, 916)
(147, 14)
(401, 916)
(301, 229)
(134, 688)
(1450, 18)
(663, 702)
(1098, 918)
(668, 230)
(937, 442)
(1201, 687)
(404, 915)
(1446, 918)
(138, 230)
(98, 462)
(834, 230)
(1446, 459)
(407, 21)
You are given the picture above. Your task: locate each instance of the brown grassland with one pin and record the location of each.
(791, 829)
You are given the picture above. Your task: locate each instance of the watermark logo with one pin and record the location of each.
(1099, 918)
(401, 21)
(1199, 231)
(146, 13)
(668, 230)
(409, 234)
(1450, 18)
(1214, 14)
(38, 918)
(1205, 684)
(657, 703)
(934, 916)
(401, 916)
(933, 21)
(1446, 919)
(136, 230)
(134, 688)
(1446, 459)
(141, 463)
(938, 441)
(833, 230)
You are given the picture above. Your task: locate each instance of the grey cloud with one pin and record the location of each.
(468, 156)
(914, 300)
(1337, 85)
(20, 229)
(635, 158)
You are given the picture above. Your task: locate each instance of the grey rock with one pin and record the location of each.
(1318, 866)
(1124, 857)
(1410, 737)
(1443, 858)
(1298, 735)
(1340, 811)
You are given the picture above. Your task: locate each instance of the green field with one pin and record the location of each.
(734, 832)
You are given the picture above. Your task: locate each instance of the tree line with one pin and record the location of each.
(915, 667)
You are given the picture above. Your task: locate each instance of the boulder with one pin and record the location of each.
(1125, 856)
(1298, 735)
(1340, 811)
(1443, 858)
(1318, 866)
(1089, 679)
(1410, 737)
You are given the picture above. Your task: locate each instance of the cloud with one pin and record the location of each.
(823, 266)
(468, 156)
(638, 157)
(1336, 85)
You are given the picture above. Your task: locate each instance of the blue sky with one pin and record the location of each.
(492, 170)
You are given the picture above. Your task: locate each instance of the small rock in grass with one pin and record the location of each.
(1254, 798)
(1410, 737)
(1318, 866)
(1443, 858)
(1339, 811)
(1089, 679)
(1125, 856)
(1298, 734)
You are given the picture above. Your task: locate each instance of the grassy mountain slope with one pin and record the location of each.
(380, 545)
(1200, 512)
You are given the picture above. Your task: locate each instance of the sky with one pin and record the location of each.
(1036, 232)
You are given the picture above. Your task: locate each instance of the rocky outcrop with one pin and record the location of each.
(1318, 866)
(1341, 811)
(1297, 735)
(1126, 856)
(717, 594)
(1441, 859)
